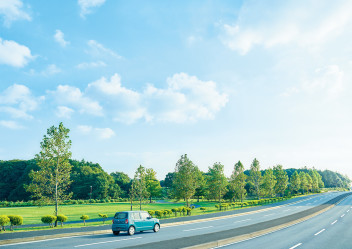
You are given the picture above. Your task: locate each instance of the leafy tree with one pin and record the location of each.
(140, 185)
(255, 176)
(185, 179)
(269, 182)
(104, 217)
(84, 218)
(295, 182)
(168, 180)
(217, 181)
(61, 218)
(281, 180)
(49, 219)
(3, 221)
(15, 220)
(123, 181)
(201, 190)
(152, 184)
(238, 181)
(304, 182)
(51, 182)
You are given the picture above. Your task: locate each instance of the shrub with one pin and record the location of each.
(174, 210)
(203, 209)
(151, 212)
(3, 221)
(15, 220)
(84, 218)
(49, 219)
(61, 218)
(217, 206)
(104, 217)
(189, 210)
(158, 213)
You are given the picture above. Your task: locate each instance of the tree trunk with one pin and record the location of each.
(140, 204)
(56, 183)
(150, 199)
(131, 204)
(186, 202)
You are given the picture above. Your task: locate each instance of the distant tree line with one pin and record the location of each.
(90, 181)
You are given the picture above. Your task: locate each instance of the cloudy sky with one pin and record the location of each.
(143, 82)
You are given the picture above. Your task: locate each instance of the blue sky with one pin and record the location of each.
(143, 82)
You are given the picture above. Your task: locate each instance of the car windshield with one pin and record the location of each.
(120, 216)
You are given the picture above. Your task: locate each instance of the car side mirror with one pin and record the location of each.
(149, 217)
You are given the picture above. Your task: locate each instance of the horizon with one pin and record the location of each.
(144, 83)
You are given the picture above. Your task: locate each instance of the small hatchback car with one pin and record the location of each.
(132, 221)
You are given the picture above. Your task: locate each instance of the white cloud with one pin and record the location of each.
(51, 69)
(12, 11)
(102, 133)
(287, 24)
(17, 100)
(98, 50)
(14, 54)
(69, 95)
(64, 112)
(59, 38)
(87, 6)
(11, 125)
(94, 64)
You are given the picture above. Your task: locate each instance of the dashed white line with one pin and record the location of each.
(268, 215)
(348, 210)
(342, 215)
(295, 246)
(197, 228)
(286, 210)
(110, 241)
(334, 222)
(322, 230)
(241, 220)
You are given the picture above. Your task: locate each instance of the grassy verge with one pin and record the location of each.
(32, 215)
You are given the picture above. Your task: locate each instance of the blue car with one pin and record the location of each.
(132, 221)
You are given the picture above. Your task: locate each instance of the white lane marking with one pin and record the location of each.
(295, 246)
(38, 241)
(286, 210)
(334, 222)
(197, 228)
(348, 210)
(268, 215)
(110, 241)
(342, 215)
(322, 230)
(241, 220)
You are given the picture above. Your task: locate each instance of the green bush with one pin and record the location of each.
(61, 218)
(158, 213)
(3, 221)
(15, 220)
(49, 219)
(174, 210)
(84, 218)
(104, 217)
(151, 212)
(203, 209)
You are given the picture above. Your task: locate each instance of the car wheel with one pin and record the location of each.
(156, 228)
(131, 230)
(116, 232)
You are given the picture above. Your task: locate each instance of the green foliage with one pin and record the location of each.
(49, 219)
(238, 181)
(203, 209)
(281, 180)
(15, 220)
(84, 217)
(174, 210)
(256, 177)
(123, 181)
(216, 182)
(61, 218)
(139, 187)
(52, 181)
(185, 179)
(151, 212)
(104, 217)
(3, 221)
(152, 184)
(269, 182)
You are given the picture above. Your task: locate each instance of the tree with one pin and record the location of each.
(122, 180)
(295, 182)
(201, 190)
(139, 185)
(217, 181)
(61, 218)
(3, 221)
(255, 176)
(304, 182)
(84, 217)
(238, 181)
(269, 182)
(185, 179)
(281, 180)
(15, 220)
(152, 184)
(51, 182)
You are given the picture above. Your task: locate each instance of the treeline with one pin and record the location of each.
(90, 181)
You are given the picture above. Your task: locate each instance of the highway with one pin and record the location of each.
(323, 230)
(331, 229)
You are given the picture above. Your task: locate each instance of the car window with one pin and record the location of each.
(145, 215)
(136, 216)
(120, 216)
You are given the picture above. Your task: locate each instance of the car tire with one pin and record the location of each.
(131, 230)
(156, 228)
(116, 232)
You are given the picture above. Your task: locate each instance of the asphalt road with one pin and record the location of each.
(331, 229)
(175, 236)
